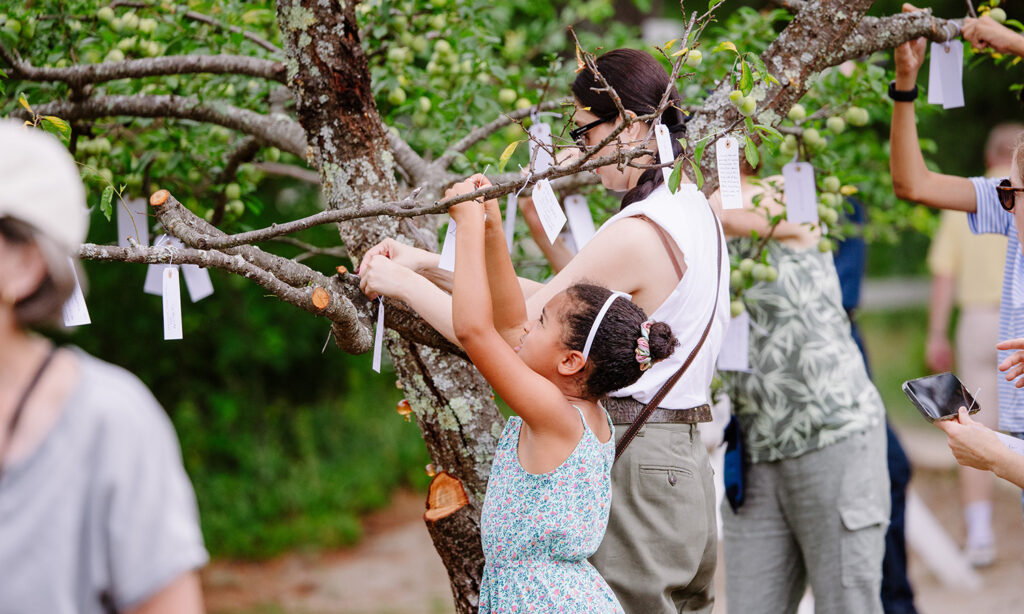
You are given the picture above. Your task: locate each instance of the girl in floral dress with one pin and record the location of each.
(549, 492)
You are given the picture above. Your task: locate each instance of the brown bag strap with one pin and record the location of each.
(667, 386)
(667, 244)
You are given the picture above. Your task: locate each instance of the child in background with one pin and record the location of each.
(549, 492)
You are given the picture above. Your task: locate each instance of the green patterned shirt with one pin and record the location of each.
(808, 387)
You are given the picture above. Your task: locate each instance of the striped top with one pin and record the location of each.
(992, 218)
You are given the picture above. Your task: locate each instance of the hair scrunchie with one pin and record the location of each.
(643, 346)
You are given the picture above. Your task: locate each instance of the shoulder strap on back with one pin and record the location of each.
(666, 243)
(667, 386)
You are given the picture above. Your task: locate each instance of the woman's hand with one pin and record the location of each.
(410, 257)
(987, 32)
(382, 276)
(1014, 363)
(973, 444)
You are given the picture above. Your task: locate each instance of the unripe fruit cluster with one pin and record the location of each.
(746, 104)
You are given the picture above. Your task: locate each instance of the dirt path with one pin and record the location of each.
(395, 569)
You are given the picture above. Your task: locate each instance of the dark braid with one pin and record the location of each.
(640, 82)
(612, 363)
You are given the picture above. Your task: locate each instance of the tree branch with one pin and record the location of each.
(482, 132)
(279, 131)
(288, 170)
(883, 33)
(148, 67)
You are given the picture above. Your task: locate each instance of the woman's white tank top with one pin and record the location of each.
(689, 220)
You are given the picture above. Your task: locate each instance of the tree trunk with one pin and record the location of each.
(329, 77)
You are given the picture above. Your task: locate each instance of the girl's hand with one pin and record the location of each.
(408, 256)
(467, 186)
(382, 276)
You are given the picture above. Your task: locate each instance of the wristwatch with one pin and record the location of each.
(902, 95)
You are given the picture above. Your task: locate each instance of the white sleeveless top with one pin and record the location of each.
(689, 220)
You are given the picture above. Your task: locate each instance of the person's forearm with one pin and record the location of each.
(508, 304)
(471, 298)
(906, 162)
(940, 305)
(1010, 466)
(432, 304)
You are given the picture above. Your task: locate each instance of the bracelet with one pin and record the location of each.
(902, 95)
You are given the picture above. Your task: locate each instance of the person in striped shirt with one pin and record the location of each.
(994, 205)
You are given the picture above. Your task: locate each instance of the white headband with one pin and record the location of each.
(597, 321)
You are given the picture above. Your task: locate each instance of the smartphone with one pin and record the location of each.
(939, 397)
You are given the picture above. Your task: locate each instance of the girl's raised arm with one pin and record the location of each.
(536, 399)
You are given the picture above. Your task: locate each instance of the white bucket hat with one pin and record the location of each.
(40, 184)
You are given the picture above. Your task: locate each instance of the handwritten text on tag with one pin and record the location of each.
(546, 203)
(172, 304)
(727, 155)
(800, 194)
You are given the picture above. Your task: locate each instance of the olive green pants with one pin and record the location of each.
(660, 550)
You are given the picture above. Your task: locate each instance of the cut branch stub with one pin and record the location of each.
(159, 198)
(446, 496)
(321, 299)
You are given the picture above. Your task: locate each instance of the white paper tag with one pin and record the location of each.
(172, 303)
(735, 353)
(132, 222)
(665, 154)
(581, 222)
(447, 262)
(727, 156)
(1016, 445)
(800, 194)
(568, 241)
(511, 207)
(546, 203)
(75, 312)
(945, 74)
(378, 335)
(197, 281)
(540, 134)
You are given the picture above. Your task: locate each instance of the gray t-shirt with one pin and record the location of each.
(101, 516)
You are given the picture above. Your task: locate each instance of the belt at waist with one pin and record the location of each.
(624, 410)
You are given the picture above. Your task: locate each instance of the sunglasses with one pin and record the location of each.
(1007, 194)
(576, 134)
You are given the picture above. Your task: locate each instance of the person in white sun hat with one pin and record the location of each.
(96, 511)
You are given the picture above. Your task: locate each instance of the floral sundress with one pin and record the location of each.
(539, 529)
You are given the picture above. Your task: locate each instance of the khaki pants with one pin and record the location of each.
(660, 550)
(819, 518)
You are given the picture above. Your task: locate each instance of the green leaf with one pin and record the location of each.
(24, 103)
(676, 177)
(769, 130)
(59, 124)
(724, 46)
(505, 155)
(750, 151)
(699, 176)
(2, 73)
(1014, 23)
(746, 81)
(105, 200)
